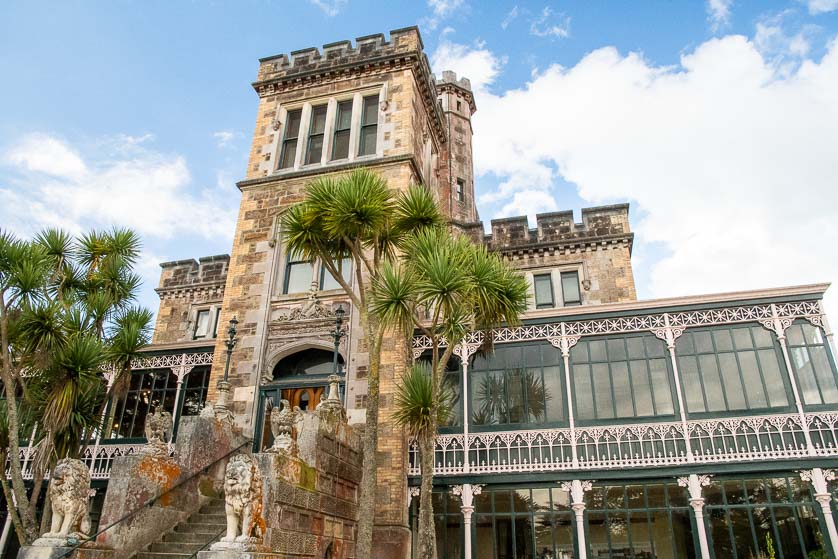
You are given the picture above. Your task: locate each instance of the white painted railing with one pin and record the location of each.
(99, 464)
(733, 439)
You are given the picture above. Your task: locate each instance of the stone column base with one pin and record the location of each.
(391, 542)
(54, 552)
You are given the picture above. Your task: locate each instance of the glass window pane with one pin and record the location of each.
(688, 369)
(344, 116)
(616, 349)
(202, 324)
(582, 392)
(742, 338)
(315, 149)
(777, 395)
(661, 387)
(370, 115)
(543, 285)
(298, 277)
(534, 396)
(553, 393)
(318, 120)
(762, 337)
(516, 396)
(622, 390)
(642, 388)
(794, 335)
(805, 375)
(289, 153)
(753, 382)
(714, 396)
(597, 348)
(685, 345)
(340, 149)
(329, 282)
(602, 391)
(703, 343)
(570, 288)
(636, 348)
(367, 143)
(723, 340)
(824, 374)
(732, 382)
(292, 128)
(579, 353)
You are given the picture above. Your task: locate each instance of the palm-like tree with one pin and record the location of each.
(460, 287)
(65, 313)
(357, 216)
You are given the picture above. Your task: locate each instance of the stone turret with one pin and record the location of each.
(456, 163)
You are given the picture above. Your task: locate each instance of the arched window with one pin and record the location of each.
(309, 362)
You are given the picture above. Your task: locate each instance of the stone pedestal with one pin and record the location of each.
(46, 550)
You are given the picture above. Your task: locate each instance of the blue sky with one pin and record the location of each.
(717, 120)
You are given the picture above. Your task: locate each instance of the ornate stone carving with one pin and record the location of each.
(158, 432)
(208, 411)
(311, 309)
(69, 490)
(243, 497)
(283, 420)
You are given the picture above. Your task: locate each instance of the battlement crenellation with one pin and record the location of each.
(191, 272)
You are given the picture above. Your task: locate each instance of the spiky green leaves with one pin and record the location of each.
(418, 408)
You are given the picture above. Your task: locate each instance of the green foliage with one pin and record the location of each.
(66, 316)
(417, 404)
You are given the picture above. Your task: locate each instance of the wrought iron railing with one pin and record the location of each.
(99, 459)
(732, 439)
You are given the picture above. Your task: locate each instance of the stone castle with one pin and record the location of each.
(641, 427)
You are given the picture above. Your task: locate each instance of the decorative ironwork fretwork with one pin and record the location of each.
(656, 322)
(733, 439)
(173, 360)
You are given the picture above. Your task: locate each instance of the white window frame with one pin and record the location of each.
(331, 102)
(556, 278)
(212, 328)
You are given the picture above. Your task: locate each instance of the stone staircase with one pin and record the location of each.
(199, 531)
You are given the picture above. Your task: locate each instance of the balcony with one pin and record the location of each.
(719, 379)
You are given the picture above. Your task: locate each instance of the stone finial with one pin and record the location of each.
(69, 490)
(243, 505)
(283, 420)
(158, 433)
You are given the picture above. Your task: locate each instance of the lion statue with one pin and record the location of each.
(69, 489)
(243, 496)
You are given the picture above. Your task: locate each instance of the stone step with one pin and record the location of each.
(178, 547)
(212, 509)
(200, 518)
(152, 555)
(190, 537)
(209, 529)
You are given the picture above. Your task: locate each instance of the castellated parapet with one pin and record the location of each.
(600, 225)
(189, 273)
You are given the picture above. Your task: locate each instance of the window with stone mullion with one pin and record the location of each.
(289, 142)
(369, 126)
(343, 126)
(314, 149)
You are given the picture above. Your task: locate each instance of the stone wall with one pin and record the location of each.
(311, 500)
(185, 286)
(201, 443)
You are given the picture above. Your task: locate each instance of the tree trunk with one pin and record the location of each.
(369, 467)
(427, 532)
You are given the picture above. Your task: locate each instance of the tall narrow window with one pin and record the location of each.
(202, 324)
(543, 284)
(570, 289)
(343, 122)
(810, 360)
(460, 190)
(314, 151)
(289, 143)
(369, 126)
(297, 276)
(215, 325)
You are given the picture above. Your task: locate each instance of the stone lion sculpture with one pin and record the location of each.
(69, 489)
(243, 496)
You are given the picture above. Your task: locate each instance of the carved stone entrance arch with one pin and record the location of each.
(278, 353)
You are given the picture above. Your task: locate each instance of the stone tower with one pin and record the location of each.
(456, 167)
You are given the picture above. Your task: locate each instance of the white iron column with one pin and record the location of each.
(110, 378)
(694, 483)
(564, 343)
(180, 372)
(818, 478)
(778, 326)
(669, 334)
(7, 526)
(577, 489)
(466, 493)
(464, 351)
(821, 320)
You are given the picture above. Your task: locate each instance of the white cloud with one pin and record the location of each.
(510, 17)
(51, 184)
(224, 138)
(330, 7)
(478, 64)
(821, 6)
(730, 163)
(551, 24)
(441, 10)
(785, 49)
(718, 12)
